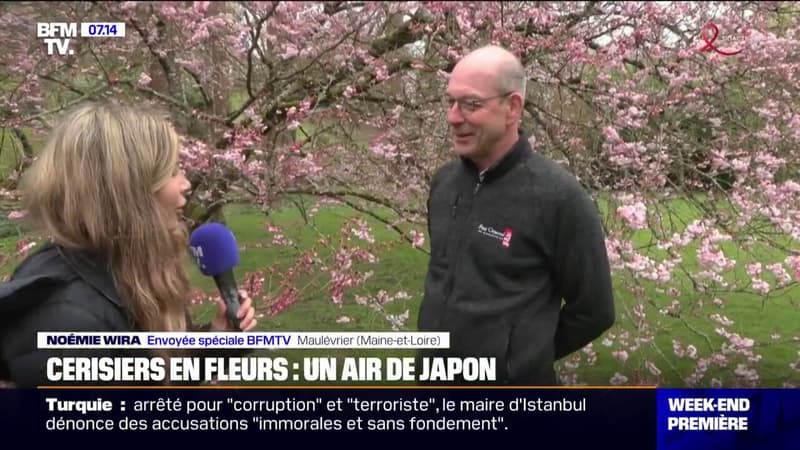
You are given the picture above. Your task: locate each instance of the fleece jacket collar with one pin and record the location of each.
(504, 164)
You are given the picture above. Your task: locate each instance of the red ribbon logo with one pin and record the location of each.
(507, 237)
(710, 42)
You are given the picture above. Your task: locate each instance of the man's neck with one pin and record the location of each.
(500, 150)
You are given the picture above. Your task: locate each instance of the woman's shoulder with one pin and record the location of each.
(48, 293)
(39, 275)
(54, 285)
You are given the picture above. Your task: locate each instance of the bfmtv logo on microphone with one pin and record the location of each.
(197, 254)
(214, 248)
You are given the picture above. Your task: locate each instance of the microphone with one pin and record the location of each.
(216, 254)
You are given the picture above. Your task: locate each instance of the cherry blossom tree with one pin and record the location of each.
(691, 154)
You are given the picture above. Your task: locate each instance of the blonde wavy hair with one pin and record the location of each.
(93, 188)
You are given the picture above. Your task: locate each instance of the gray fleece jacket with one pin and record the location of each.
(518, 268)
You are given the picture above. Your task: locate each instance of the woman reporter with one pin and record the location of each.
(107, 189)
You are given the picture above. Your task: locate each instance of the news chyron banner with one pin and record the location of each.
(728, 419)
(257, 397)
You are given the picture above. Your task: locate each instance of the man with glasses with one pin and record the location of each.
(518, 268)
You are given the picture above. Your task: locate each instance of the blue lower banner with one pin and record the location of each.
(717, 419)
(569, 418)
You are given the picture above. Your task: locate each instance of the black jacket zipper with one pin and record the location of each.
(479, 184)
(463, 229)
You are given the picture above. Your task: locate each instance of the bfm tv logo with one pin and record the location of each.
(58, 35)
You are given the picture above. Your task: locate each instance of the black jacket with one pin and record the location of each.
(56, 289)
(505, 251)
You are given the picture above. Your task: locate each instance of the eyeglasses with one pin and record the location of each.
(470, 104)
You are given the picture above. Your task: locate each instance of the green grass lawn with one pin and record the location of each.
(771, 321)
(10, 157)
(11, 149)
(398, 269)
(402, 268)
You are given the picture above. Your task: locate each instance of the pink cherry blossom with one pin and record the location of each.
(315, 107)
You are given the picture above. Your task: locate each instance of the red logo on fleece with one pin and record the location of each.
(507, 237)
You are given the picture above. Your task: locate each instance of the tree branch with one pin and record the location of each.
(401, 36)
(65, 105)
(69, 87)
(162, 61)
(254, 45)
(384, 221)
(100, 64)
(27, 149)
(319, 55)
(361, 195)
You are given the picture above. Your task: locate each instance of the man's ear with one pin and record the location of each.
(515, 103)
